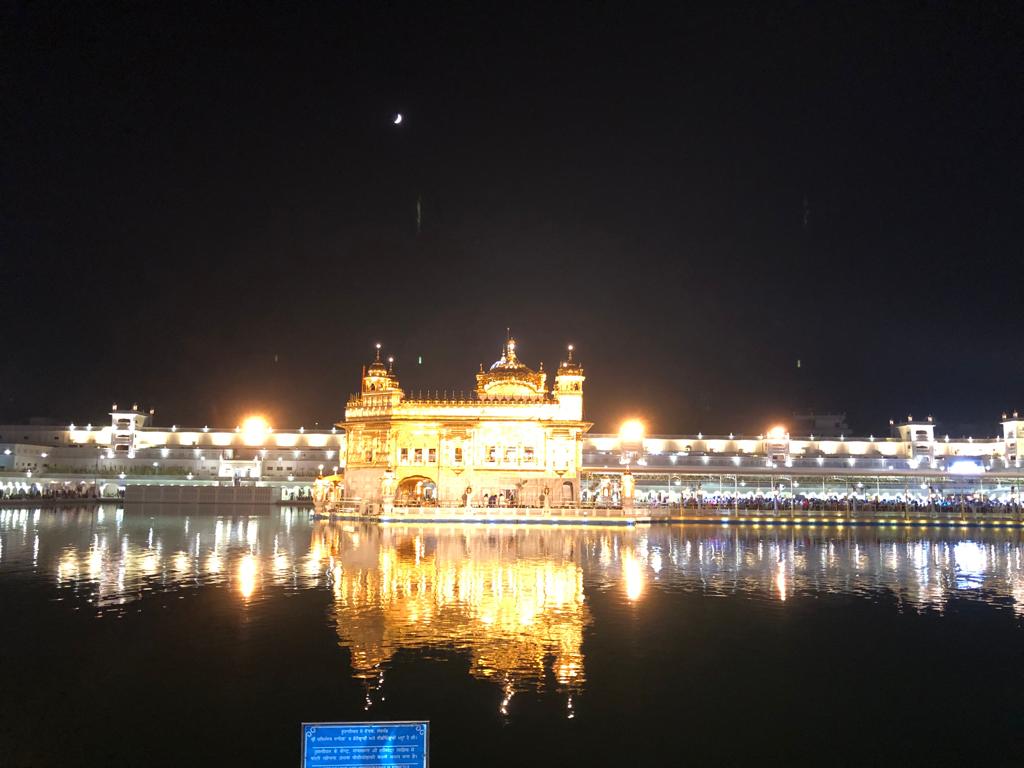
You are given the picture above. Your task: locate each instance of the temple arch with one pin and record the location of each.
(416, 489)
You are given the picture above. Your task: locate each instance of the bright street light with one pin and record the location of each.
(632, 431)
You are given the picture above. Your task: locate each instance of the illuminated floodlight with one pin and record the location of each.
(255, 430)
(778, 432)
(966, 467)
(632, 431)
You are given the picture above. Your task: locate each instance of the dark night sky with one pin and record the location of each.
(206, 208)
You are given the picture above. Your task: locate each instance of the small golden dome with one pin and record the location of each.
(377, 368)
(570, 367)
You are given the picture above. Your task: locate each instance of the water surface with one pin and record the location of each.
(159, 636)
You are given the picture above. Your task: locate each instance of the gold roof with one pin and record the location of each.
(508, 360)
(508, 376)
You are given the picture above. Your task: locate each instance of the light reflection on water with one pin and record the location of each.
(109, 560)
(515, 600)
(923, 569)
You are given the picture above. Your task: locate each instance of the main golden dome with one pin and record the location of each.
(509, 377)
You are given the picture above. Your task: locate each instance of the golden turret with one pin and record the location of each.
(378, 377)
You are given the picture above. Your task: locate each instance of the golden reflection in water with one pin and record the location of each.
(213, 564)
(632, 575)
(150, 562)
(181, 563)
(247, 576)
(512, 604)
(95, 561)
(510, 597)
(112, 560)
(780, 580)
(67, 566)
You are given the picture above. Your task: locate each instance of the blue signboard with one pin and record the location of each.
(365, 745)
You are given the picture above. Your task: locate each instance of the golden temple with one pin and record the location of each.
(512, 443)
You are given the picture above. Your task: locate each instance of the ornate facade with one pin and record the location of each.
(512, 442)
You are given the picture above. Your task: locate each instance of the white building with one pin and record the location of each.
(914, 462)
(915, 458)
(130, 447)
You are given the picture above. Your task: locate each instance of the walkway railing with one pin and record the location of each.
(452, 509)
(862, 513)
(894, 512)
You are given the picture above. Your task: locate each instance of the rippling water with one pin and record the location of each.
(159, 636)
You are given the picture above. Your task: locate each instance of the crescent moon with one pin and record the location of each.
(398, 119)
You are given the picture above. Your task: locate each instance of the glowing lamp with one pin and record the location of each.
(632, 431)
(254, 430)
(966, 467)
(777, 433)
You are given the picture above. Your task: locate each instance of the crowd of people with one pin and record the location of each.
(953, 504)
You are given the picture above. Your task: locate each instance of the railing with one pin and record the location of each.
(462, 505)
(358, 406)
(663, 463)
(963, 512)
(793, 438)
(526, 512)
(833, 514)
